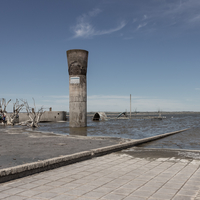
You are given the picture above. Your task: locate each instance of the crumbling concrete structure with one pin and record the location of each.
(77, 68)
(99, 116)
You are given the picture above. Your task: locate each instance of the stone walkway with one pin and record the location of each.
(114, 176)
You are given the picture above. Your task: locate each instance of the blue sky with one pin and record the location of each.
(146, 48)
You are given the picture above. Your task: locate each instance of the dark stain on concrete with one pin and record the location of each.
(139, 152)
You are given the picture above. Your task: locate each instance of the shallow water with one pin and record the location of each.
(136, 129)
(125, 128)
(189, 139)
(140, 128)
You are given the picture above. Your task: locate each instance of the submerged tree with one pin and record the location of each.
(16, 109)
(3, 106)
(34, 117)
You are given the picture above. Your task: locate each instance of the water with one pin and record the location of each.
(189, 139)
(125, 128)
(138, 129)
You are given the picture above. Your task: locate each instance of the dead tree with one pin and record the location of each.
(34, 117)
(16, 109)
(3, 106)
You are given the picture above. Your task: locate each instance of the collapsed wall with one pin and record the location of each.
(48, 116)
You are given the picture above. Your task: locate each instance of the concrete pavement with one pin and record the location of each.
(26, 169)
(114, 176)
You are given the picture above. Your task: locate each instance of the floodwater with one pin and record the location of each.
(137, 129)
(125, 128)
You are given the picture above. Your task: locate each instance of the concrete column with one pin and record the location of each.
(77, 68)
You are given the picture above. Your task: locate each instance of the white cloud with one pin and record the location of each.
(178, 15)
(182, 13)
(141, 25)
(195, 18)
(94, 12)
(119, 27)
(144, 17)
(84, 28)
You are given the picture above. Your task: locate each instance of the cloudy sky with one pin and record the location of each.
(146, 48)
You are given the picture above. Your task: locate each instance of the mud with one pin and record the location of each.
(20, 146)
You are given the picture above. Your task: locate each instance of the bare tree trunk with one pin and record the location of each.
(33, 115)
(3, 106)
(16, 110)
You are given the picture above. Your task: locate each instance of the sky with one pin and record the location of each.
(146, 48)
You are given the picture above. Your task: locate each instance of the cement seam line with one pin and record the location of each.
(165, 149)
(118, 147)
(11, 173)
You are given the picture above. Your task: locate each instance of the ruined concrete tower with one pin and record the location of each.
(77, 68)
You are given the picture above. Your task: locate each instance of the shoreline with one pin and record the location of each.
(50, 160)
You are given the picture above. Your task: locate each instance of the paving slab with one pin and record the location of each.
(47, 151)
(112, 184)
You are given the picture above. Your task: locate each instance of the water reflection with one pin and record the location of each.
(78, 131)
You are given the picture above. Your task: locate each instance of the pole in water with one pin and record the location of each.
(77, 68)
(130, 105)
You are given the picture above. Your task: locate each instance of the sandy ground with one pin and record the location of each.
(19, 146)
